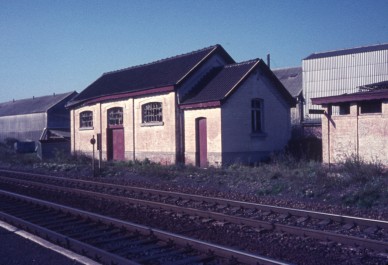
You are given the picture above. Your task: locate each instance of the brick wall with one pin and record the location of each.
(238, 141)
(365, 135)
(214, 148)
(156, 142)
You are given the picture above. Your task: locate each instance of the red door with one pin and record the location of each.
(115, 144)
(201, 135)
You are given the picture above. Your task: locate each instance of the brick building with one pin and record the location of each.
(197, 108)
(359, 128)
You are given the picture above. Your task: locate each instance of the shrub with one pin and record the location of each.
(360, 170)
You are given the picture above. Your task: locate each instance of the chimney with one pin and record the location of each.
(269, 60)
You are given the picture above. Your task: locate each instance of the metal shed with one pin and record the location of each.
(26, 119)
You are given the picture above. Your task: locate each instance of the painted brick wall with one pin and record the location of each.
(365, 135)
(214, 148)
(157, 143)
(80, 138)
(238, 142)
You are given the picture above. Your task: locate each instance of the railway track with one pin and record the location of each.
(113, 241)
(367, 233)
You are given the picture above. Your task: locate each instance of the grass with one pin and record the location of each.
(354, 182)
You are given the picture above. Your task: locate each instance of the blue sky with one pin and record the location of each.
(56, 46)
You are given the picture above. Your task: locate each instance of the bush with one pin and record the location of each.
(360, 170)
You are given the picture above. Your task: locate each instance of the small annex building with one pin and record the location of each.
(199, 108)
(360, 128)
(34, 119)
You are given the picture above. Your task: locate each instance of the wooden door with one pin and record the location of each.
(115, 144)
(201, 141)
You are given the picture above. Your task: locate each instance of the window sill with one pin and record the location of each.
(259, 135)
(151, 124)
(86, 128)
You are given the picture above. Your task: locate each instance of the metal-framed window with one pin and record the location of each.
(86, 119)
(115, 116)
(152, 112)
(257, 115)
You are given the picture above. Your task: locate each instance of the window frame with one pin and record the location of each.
(83, 123)
(110, 112)
(153, 116)
(257, 117)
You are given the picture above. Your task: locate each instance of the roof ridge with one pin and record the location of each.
(242, 63)
(38, 97)
(210, 48)
(373, 46)
(286, 68)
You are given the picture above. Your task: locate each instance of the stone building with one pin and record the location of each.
(360, 128)
(198, 108)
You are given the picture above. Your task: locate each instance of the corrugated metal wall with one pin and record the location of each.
(337, 75)
(27, 127)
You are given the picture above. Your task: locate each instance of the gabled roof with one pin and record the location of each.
(227, 79)
(33, 105)
(291, 78)
(371, 48)
(167, 72)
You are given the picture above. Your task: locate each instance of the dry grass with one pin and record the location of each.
(353, 183)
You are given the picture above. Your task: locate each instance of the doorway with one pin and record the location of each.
(115, 134)
(201, 142)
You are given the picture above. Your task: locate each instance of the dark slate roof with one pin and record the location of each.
(353, 97)
(227, 79)
(348, 51)
(33, 105)
(219, 85)
(291, 78)
(167, 72)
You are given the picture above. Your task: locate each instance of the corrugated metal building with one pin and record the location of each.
(27, 119)
(343, 71)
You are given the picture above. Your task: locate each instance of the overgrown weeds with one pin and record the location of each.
(355, 182)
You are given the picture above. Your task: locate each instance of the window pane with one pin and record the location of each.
(152, 112)
(86, 119)
(115, 116)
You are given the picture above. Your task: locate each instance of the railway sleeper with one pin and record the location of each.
(99, 233)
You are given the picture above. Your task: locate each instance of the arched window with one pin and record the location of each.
(115, 116)
(86, 119)
(152, 112)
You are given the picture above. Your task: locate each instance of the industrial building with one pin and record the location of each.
(339, 72)
(37, 118)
